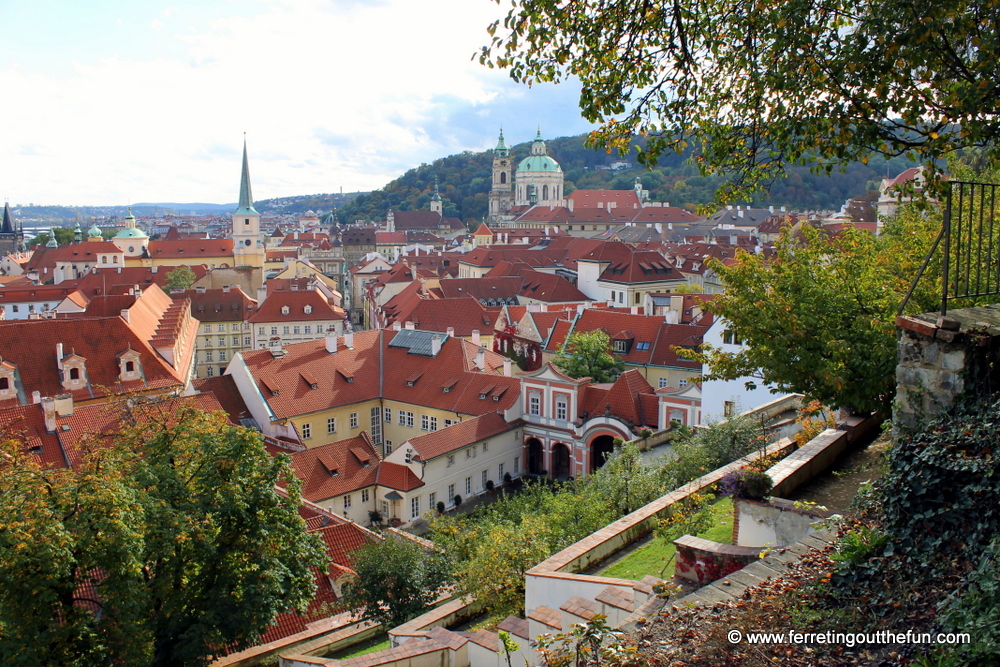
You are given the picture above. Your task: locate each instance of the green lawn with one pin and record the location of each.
(376, 643)
(653, 556)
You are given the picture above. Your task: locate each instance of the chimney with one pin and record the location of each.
(59, 355)
(475, 337)
(154, 269)
(409, 325)
(63, 404)
(658, 227)
(261, 295)
(634, 310)
(119, 269)
(451, 332)
(349, 340)
(125, 315)
(435, 344)
(396, 326)
(49, 410)
(481, 359)
(225, 289)
(771, 209)
(506, 368)
(331, 341)
(783, 209)
(579, 309)
(36, 397)
(670, 226)
(569, 205)
(274, 345)
(740, 213)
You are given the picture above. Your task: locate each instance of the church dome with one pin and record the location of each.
(131, 233)
(94, 232)
(542, 163)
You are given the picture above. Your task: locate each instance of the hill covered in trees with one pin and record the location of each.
(464, 182)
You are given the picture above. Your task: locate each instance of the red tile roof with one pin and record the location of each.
(224, 390)
(336, 468)
(194, 248)
(104, 281)
(373, 363)
(459, 435)
(297, 301)
(26, 423)
(397, 476)
(219, 305)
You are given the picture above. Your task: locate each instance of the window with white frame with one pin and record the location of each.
(376, 419)
(236, 341)
(347, 502)
(222, 341)
(222, 327)
(434, 424)
(432, 501)
(517, 465)
(451, 460)
(208, 356)
(331, 425)
(387, 412)
(561, 407)
(274, 331)
(402, 418)
(425, 423)
(222, 355)
(449, 422)
(354, 420)
(210, 372)
(468, 486)
(308, 329)
(451, 493)
(284, 331)
(296, 329)
(500, 472)
(364, 495)
(409, 419)
(414, 507)
(247, 342)
(486, 446)
(682, 383)
(484, 478)
(663, 383)
(235, 326)
(307, 431)
(387, 448)
(260, 331)
(730, 337)
(208, 327)
(534, 404)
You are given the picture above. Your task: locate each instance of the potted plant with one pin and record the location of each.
(458, 501)
(375, 517)
(507, 479)
(440, 507)
(746, 483)
(489, 486)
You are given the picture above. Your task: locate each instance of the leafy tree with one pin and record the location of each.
(586, 354)
(755, 87)
(819, 317)
(397, 580)
(166, 545)
(180, 278)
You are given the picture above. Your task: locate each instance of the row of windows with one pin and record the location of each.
(331, 425)
(222, 327)
(535, 405)
(235, 341)
(291, 330)
(348, 500)
(31, 308)
(683, 382)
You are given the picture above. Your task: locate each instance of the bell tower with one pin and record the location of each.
(501, 188)
(247, 247)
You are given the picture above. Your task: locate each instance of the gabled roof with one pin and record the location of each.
(630, 398)
(374, 366)
(483, 288)
(456, 436)
(296, 301)
(464, 315)
(397, 476)
(219, 305)
(105, 281)
(337, 468)
(26, 423)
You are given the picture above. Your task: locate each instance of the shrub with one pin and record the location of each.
(375, 517)
(489, 485)
(746, 483)
(440, 507)
(458, 501)
(507, 479)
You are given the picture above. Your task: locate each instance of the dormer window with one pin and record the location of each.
(129, 366)
(308, 310)
(285, 310)
(621, 346)
(7, 384)
(74, 372)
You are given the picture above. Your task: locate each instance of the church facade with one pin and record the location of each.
(537, 181)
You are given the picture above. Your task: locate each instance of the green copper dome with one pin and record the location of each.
(538, 163)
(94, 232)
(131, 233)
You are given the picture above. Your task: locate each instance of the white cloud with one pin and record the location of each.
(331, 94)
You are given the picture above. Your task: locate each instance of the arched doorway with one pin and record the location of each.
(536, 459)
(560, 461)
(600, 448)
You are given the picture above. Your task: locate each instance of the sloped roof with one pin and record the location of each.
(459, 435)
(297, 301)
(398, 477)
(336, 468)
(26, 423)
(373, 363)
(218, 305)
(193, 248)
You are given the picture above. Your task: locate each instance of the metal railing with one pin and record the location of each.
(970, 244)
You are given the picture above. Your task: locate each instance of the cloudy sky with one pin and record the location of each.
(117, 101)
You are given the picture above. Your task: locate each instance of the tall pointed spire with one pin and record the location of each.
(8, 222)
(246, 197)
(501, 150)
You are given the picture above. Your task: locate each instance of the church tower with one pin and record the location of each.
(437, 205)
(247, 247)
(11, 235)
(501, 190)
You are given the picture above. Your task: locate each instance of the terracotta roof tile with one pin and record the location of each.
(397, 476)
(334, 469)
(459, 435)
